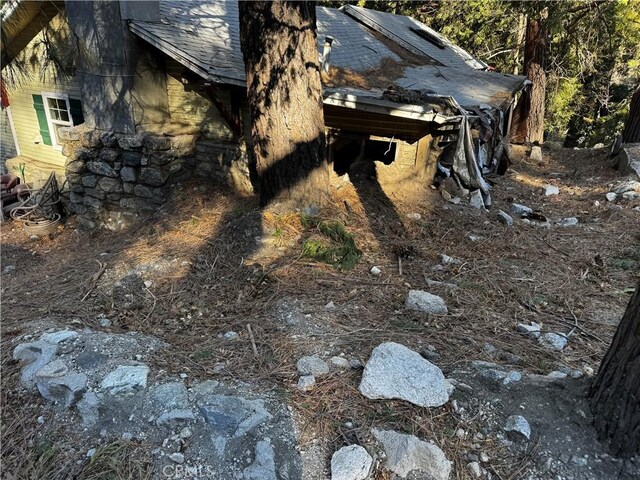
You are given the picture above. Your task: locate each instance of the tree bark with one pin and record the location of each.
(631, 133)
(519, 41)
(615, 393)
(278, 41)
(528, 116)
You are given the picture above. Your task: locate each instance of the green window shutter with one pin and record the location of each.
(76, 111)
(38, 104)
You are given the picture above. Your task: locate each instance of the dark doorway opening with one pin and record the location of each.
(345, 152)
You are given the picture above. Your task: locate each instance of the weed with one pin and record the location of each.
(202, 355)
(332, 244)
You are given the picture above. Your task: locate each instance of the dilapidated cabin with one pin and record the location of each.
(154, 91)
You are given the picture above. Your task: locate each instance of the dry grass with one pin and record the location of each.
(222, 279)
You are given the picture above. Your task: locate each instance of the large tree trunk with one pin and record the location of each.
(631, 133)
(528, 116)
(615, 394)
(278, 41)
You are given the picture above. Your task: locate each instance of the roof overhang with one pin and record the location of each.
(365, 102)
(165, 45)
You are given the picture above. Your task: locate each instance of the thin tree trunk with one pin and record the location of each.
(528, 117)
(631, 133)
(519, 40)
(615, 394)
(278, 41)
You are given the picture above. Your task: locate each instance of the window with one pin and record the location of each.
(58, 112)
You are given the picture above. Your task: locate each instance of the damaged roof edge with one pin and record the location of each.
(376, 105)
(331, 96)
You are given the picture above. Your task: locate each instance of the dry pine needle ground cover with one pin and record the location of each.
(216, 262)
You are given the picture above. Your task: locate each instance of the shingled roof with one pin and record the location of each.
(205, 38)
(415, 37)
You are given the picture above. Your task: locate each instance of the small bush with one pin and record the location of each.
(331, 244)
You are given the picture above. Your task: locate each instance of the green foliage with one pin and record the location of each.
(627, 260)
(592, 50)
(563, 95)
(332, 244)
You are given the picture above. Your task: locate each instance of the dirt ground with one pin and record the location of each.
(215, 262)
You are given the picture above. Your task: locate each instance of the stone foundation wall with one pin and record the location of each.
(112, 178)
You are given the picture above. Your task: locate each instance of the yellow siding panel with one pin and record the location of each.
(193, 108)
(35, 79)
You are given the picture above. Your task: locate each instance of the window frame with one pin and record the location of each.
(52, 122)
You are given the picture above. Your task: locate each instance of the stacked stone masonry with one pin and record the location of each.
(112, 178)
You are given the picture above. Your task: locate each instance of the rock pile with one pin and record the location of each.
(231, 430)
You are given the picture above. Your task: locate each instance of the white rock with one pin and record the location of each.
(518, 424)
(628, 186)
(568, 222)
(175, 417)
(611, 197)
(264, 465)
(536, 153)
(394, 371)
(177, 457)
(519, 210)
(550, 190)
(414, 216)
(306, 382)
(476, 200)
(449, 386)
(474, 469)
(504, 218)
(425, 302)
(351, 463)
(339, 363)
(59, 337)
(557, 375)
(447, 260)
(375, 270)
(91, 452)
(312, 365)
(105, 322)
(230, 335)
(554, 341)
(126, 379)
(330, 306)
(512, 377)
(407, 453)
(532, 330)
